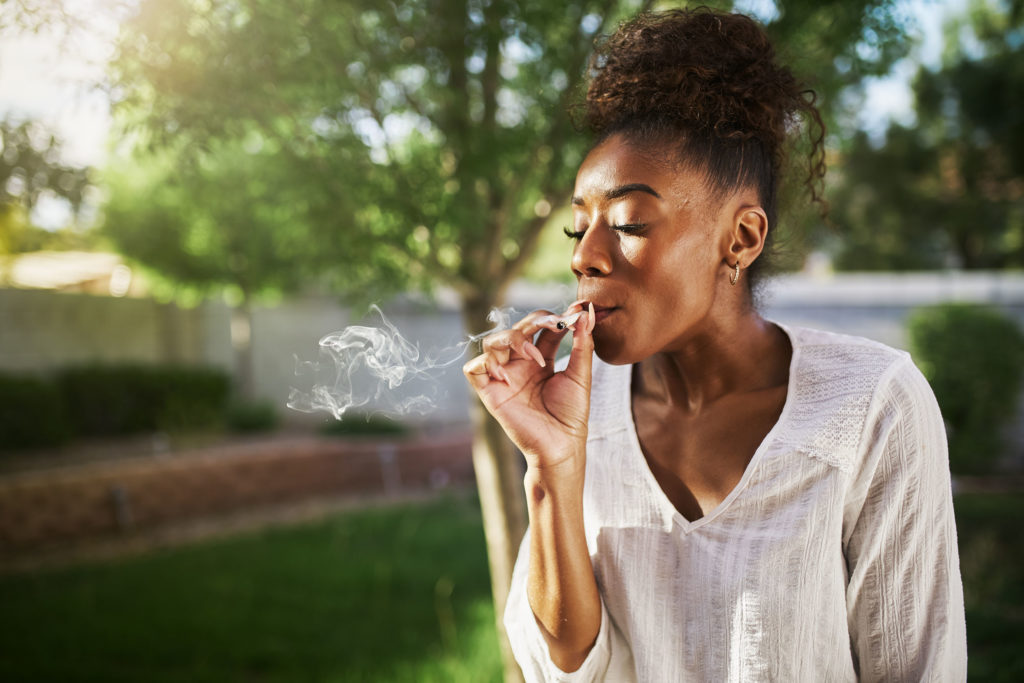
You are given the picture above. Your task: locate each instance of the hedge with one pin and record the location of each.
(109, 400)
(973, 357)
(32, 413)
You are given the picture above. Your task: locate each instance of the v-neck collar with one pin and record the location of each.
(669, 513)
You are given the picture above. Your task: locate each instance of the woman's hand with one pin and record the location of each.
(544, 413)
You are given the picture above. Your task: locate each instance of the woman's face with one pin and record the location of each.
(651, 250)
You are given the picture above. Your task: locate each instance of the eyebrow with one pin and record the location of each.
(622, 191)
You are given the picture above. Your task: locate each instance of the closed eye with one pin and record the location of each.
(630, 227)
(626, 228)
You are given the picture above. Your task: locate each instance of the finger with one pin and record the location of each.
(581, 357)
(546, 320)
(551, 333)
(500, 344)
(534, 322)
(548, 341)
(528, 349)
(561, 322)
(476, 372)
(495, 369)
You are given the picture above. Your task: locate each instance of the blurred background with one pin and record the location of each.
(194, 192)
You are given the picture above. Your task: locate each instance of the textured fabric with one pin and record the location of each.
(833, 559)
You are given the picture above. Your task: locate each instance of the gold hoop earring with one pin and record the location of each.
(735, 277)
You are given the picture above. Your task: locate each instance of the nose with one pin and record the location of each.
(592, 256)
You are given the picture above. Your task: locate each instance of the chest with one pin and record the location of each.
(698, 459)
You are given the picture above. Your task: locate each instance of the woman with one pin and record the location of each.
(716, 496)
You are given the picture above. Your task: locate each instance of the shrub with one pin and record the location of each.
(126, 399)
(973, 356)
(31, 413)
(357, 424)
(251, 416)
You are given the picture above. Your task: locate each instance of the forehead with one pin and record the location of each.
(616, 162)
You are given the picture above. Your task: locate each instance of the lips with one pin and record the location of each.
(600, 311)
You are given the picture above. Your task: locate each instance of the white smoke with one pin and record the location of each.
(376, 366)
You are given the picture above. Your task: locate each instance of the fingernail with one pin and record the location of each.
(591, 320)
(573, 305)
(534, 353)
(504, 375)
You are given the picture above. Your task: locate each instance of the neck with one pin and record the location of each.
(740, 354)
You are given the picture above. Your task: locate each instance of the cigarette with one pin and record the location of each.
(565, 321)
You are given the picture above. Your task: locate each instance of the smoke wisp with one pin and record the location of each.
(376, 368)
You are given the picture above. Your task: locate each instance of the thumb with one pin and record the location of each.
(581, 357)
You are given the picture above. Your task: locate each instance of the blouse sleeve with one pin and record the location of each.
(904, 594)
(610, 659)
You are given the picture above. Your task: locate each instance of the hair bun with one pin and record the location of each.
(701, 70)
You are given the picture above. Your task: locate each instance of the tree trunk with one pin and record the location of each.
(241, 343)
(499, 481)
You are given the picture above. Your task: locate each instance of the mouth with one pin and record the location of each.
(602, 312)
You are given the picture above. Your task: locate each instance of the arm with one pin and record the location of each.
(545, 414)
(904, 594)
(561, 586)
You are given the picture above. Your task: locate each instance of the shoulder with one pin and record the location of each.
(841, 386)
(821, 350)
(828, 364)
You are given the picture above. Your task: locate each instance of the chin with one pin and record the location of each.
(614, 350)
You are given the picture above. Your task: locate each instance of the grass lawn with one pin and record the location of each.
(397, 594)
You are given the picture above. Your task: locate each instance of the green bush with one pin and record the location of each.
(127, 399)
(251, 416)
(973, 356)
(358, 424)
(31, 413)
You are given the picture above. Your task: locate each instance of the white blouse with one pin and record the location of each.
(833, 559)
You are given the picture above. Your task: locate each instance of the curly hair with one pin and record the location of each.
(706, 82)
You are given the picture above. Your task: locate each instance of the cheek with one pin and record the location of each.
(633, 252)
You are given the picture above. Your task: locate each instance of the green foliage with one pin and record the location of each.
(417, 139)
(423, 142)
(127, 399)
(833, 47)
(251, 416)
(228, 220)
(948, 190)
(974, 359)
(32, 414)
(30, 168)
(114, 400)
(992, 567)
(354, 424)
(398, 594)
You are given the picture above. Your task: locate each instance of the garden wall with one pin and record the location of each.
(44, 330)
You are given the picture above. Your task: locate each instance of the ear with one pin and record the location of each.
(747, 237)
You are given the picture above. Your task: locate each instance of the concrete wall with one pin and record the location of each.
(43, 330)
(878, 306)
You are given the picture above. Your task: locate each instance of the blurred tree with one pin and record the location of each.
(418, 142)
(949, 190)
(31, 168)
(228, 221)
